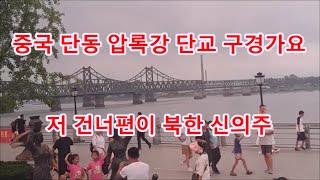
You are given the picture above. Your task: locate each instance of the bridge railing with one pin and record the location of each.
(285, 136)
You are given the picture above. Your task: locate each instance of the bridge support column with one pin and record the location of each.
(137, 98)
(227, 92)
(88, 101)
(150, 97)
(157, 138)
(246, 91)
(99, 101)
(56, 106)
(199, 94)
(275, 89)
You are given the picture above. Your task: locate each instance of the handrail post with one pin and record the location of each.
(223, 141)
(307, 133)
(157, 137)
(54, 136)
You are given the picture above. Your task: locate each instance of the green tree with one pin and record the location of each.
(26, 16)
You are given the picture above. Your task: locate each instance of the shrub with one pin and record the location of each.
(15, 170)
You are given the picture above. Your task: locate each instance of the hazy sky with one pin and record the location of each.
(216, 17)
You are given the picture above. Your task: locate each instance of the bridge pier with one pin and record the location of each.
(199, 94)
(88, 101)
(150, 97)
(246, 91)
(99, 101)
(227, 92)
(56, 105)
(275, 89)
(137, 98)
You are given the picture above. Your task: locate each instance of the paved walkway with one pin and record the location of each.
(164, 160)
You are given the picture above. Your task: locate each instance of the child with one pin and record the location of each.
(76, 171)
(238, 155)
(95, 167)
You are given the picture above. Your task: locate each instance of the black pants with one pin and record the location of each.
(62, 165)
(214, 157)
(140, 135)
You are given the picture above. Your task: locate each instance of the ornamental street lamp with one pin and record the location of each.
(260, 81)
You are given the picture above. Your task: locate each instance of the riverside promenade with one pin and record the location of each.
(164, 160)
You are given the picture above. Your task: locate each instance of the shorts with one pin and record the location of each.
(237, 155)
(301, 136)
(185, 149)
(265, 149)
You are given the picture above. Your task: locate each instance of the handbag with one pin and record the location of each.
(195, 175)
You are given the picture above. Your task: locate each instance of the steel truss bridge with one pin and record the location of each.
(148, 81)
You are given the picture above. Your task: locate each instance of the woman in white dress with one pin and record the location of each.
(98, 142)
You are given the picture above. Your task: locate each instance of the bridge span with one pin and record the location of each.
(93, 86)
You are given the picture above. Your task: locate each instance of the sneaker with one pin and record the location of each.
(149, 146)
(297, 149)
(190, 169)
(303, 148)
(276, 150)
(268, 171)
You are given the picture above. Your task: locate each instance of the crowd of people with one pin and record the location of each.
(119, 163)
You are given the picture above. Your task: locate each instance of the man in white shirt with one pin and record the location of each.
(300, 132)
(135, 169)
(185, 149)
(266, 142)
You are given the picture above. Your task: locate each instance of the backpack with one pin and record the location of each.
(13, 126)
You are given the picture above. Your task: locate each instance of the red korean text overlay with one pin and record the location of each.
(119, 44)
(57, 123)
(86, 125)
(190, 124)
(240, 124)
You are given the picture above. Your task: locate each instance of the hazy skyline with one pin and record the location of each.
(216, 17)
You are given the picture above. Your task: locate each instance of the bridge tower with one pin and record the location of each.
(150, 95)
(88, 98)
(199, 94)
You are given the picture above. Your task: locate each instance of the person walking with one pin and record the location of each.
(117, 147)
(98, 142)
(214, 151)
(210, 145)
(141, 135)
(238, 155)
(18, 126)
(63, 145)
(267, 142)
(263, 110)
(300, 132)
(202, 171)
(185, 150)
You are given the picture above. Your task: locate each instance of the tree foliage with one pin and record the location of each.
(27, 16)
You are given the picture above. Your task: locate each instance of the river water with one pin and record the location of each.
(283, 107)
